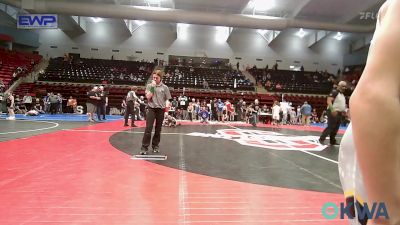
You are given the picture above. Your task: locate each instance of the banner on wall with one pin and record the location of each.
(37, 21)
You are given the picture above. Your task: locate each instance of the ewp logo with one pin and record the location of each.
(378, 211)
(33, 21)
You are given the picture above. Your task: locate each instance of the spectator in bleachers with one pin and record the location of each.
(205, 84)
(276, 66)
(305, 113)
(65, 58)
(268, 85)
(278, 87)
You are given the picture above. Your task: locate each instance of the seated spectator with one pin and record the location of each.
(314, 116)
(27, 101)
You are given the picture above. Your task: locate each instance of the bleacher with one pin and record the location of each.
(217, 79)
(293, 81)
(98, 70)
(76, 78)
(11, 60)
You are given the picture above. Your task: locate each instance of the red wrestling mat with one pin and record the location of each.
(70, 177)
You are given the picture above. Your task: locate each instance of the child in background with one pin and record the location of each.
(204, 114)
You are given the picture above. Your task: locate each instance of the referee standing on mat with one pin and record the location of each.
(157, 94)
(336, 107)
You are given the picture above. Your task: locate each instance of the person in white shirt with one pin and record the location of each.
(276, 109)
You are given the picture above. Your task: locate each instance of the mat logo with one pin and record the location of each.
(266, 139)
(32, 21)
(349, 211)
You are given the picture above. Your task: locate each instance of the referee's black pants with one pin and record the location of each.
(333, 127)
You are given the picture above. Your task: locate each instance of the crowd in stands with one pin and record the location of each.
(275, 80)
(182, 108)
(201, 106)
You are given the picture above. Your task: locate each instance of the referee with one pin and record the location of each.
(336, 107)
(157, 93)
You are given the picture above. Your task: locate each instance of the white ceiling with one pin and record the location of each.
(333, 11)
(340, 11)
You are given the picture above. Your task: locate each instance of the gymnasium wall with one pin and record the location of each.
(154, 37)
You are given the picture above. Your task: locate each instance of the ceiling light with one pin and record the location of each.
(96, 19)
(262, 32)
(222, 34)
(182, 30)
(338, 36)
(301, 33)
(152, 8)
(140, 22)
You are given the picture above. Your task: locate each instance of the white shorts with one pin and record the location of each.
(349, 171)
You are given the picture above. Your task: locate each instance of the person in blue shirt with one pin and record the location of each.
(220, 110)
(306, 113)
(204, 114)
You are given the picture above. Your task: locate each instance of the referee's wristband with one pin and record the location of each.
(152, 90)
